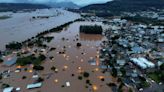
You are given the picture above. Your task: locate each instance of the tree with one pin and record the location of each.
(86, 74)
(40, 79)
(114, 72)
(80, 77)
(91, 29)
(14, 45)
(38, 67)
(42, 57)
(130, 90)
(1, 60)
(5, 86)
(162, 67)
(123, 71)
(78, 44)
(1, 77)
(24, 77)
(53, 68)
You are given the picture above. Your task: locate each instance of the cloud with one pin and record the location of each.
(79, 2)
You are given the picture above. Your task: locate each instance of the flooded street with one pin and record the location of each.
(76, 59)
(71, 64)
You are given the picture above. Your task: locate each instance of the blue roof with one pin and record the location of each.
(9, 89)
(10, 62)
(137, 49)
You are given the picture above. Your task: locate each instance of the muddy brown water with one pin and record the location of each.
(73, 62)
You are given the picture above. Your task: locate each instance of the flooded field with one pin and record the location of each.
(69, 65)
(24, 25)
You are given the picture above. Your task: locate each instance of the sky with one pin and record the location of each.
(79, 2)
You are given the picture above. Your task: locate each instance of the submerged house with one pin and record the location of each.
(143, 63)
(137, 49)
(9, 89)
(92, 62)
(35, 85)
(9, 61)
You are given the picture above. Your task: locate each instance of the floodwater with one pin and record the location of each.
(22, 25)
(74, 61)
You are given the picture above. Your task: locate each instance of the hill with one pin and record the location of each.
(70, 5)
(20, 6)
(117, 6)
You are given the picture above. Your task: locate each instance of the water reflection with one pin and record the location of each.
(90, 37)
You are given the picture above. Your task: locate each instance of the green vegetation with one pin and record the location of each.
(123, 71)
(40, 79)
(58, 28)
(114, 72)
(158, 75)
(155, 77)
(48, 39)
(39, 38)
(111, 84)
(80, 77)
(38, 67)
(51, 49)
(86, 74)
(1, 60)
(30, 60)
(139, 19)
(145, 84)
(78, 44)
(5, 85)
(53, 68)
(4, 17)
(91, 29)
(39, 41)
(24, 77)
(116, 7)
(14, 46)
(1, 77)
(162, 67)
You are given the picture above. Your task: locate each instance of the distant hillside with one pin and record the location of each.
(117, 6)
(20, 6)
(70, 5)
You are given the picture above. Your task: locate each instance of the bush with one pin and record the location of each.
(114, 72)
(5, 86)
(80, 77)
(53, 68)
(1, 60)
(78, 44)
(86, 74)
(40, 79)
(1, 77)
(38, 68)
(88, 82)
(24, 77)
(111, 84)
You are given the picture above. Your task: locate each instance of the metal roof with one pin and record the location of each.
(36, 85)
(9, 89)
(11, 61)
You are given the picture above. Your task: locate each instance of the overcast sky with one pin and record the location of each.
(79, 2)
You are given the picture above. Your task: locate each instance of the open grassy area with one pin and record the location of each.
(145, 84)
(154, 77)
